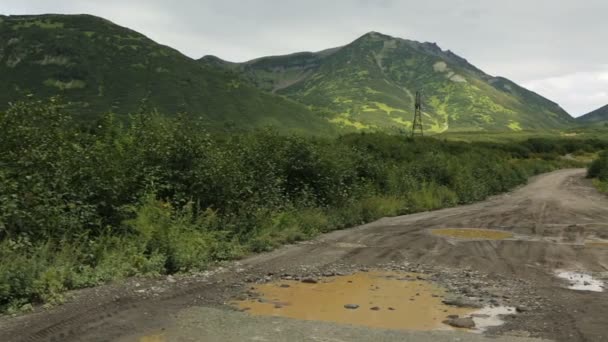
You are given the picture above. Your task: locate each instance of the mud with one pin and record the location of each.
(599, 244)
(153, 338)
(472, 233)
(551, 219)
(379, 299)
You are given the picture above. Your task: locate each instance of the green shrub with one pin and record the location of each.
(599, 167)
(186, 240)
(375, 207)
(431, 196)
(601, 185)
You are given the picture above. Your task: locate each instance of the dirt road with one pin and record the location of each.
(558, 221)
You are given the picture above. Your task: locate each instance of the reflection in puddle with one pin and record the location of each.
(472, 233)
(581, 281)
(374, 299)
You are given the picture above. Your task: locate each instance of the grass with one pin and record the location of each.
(602, 186)
(71, 84)
(572, 134)
(43, 24)
(515, 126)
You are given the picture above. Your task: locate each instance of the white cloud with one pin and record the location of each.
(579, 93)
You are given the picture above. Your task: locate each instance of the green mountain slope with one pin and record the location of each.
(597, 116)
(370, 84)
(100, 66)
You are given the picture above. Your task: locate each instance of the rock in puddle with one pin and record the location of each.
(461, 322)
(310, 281)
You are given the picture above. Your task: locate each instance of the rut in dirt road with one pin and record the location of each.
(554, 223)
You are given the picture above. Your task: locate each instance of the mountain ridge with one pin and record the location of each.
(374, 54)
(599, 115)
(101, 67)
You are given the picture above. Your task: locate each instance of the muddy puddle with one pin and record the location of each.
(596, 243)
(152, 338)
(581, 281)
(472, 233)
(374, 299)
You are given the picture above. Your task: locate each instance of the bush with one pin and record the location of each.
(599, 167)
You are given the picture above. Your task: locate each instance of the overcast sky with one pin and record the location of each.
(556, 48)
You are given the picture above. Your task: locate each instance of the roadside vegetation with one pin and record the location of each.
(598, 170)
(83, 206)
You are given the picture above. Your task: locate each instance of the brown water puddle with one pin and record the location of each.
(385, 299)
(472, 233)
(597, 243)
(153, 338)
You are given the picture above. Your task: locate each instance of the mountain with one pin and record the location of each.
(100, 67)
(597, 116)
(371, 83)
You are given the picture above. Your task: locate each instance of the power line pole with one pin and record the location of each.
(417, 123)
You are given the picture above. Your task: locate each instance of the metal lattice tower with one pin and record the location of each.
(417, 123)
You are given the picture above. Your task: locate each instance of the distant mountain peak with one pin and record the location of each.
(376, 35)
(431, 47)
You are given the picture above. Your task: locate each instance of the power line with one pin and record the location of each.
(417, 123)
